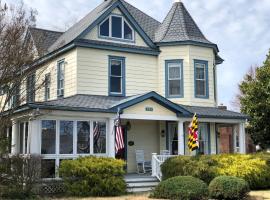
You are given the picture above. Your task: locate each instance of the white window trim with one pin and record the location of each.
(201, 66)
(57, 156)
(110, 29)
(121, 86)
(170, 65)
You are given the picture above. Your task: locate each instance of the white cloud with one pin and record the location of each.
(239, 27)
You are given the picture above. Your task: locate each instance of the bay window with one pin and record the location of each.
(69, 139)
(116, 27)
(201, 79)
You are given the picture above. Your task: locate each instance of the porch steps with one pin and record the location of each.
(140, 183)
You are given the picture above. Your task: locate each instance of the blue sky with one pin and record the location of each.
(239, 27)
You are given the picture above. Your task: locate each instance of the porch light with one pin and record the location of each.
(128, 125)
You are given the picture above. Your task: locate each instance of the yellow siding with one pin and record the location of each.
(70, 84)
(145, 136)
(188, 54)
(139, 109)
(94, 35)
(141, 72)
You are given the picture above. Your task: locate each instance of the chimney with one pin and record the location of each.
(222, 107)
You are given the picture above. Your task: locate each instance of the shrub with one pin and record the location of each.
(182, 188)
(202, 167)
(93, 176)
(252, 168)
(228, 187)
(19, 176)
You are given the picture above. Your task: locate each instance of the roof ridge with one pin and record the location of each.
(141, 11)
(43, 29)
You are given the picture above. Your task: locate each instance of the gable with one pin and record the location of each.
(149, 107)
(94, 34)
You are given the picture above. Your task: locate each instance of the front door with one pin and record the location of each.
(173, 138)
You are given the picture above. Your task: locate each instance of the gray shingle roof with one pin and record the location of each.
(147, 23)
(96, 103)
(43, 39)
(179, 26)
(214, 112)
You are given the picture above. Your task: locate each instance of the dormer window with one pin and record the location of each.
(116, 27)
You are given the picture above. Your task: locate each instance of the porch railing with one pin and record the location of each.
(157, 161)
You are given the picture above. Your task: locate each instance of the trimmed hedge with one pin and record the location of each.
(255, 169)
(228, 187)
(181, 188)
(93, 176)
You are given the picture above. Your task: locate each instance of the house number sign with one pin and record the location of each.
(149, 109)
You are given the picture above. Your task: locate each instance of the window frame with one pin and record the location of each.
(123, 76)
(110, 37)
(205, 63)
(57, 156)
(60, 90)
(167, 85)
(47, 87)
(30, 88)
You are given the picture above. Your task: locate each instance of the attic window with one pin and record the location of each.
(116, 27)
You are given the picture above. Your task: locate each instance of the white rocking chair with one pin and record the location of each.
(142, 165)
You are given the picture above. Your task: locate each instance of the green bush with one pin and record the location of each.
(181, 188)
(255, 168)
(202, 167)
(93, 176)
(228, 187)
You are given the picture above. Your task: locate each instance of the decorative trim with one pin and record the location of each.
(123, 70)
(88, 44)
(206, 79)
(189, 42)
(181, 95)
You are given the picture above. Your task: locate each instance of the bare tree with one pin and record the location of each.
(16, 58)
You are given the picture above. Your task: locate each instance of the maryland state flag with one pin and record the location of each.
(193, 142)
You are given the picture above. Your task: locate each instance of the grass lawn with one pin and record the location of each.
(254, 195)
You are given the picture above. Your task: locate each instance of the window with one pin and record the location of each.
(60, 78)
(47, 86)
(116, 76)
(23, 132)
(83, 137)
(48, 168)
(66, 137)
(116, 27)
(99, 135)
(15, 97)
(201, 79)
(30, 88)
(48, 137)
(174, 78)
(69, 139)
(204, 137)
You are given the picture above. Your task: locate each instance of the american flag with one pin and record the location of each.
(119, 140)
(96, 132)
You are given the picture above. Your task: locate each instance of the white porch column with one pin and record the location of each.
(34, 137)
(242, 138)
(15, 137)
(235, 133)
(111, 138)
(181, 138)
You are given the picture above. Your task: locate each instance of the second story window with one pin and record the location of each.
(174, 78)
(30, 88)
(60, 78)
(116, 76)
(201, 79)
(116, 27)
(47, 86)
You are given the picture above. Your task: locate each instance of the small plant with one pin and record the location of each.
(228, 187)
(93, 176)
(181, 188)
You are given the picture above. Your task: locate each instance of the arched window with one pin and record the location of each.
(116, 27)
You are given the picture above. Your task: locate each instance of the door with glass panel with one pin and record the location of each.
(173, 138)
(204, 138)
